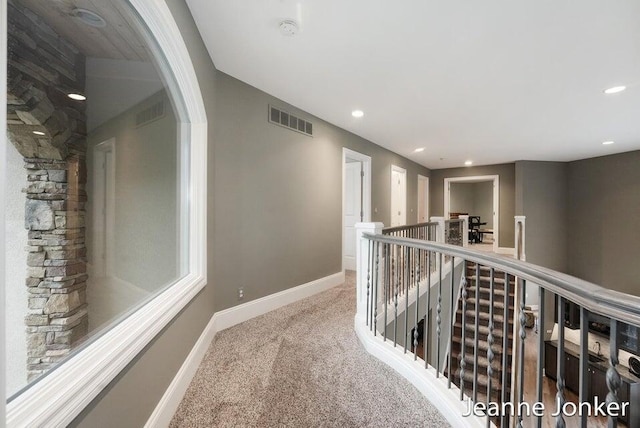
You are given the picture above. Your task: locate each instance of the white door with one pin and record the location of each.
(104, 208)
(398, 196)
(352, 211)
(423, 199)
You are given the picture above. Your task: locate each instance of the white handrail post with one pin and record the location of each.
(439, 235)
(439, 228)
(465, 230)
(520, 234)
(362, 263)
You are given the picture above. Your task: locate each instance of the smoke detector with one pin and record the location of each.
(88, 17)
(289, 27)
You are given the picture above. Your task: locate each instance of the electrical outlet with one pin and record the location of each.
(240, 293)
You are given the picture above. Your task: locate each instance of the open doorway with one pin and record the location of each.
(356, 201)
(104, 212)
(477, 197)
(423, 199)
(398, 196)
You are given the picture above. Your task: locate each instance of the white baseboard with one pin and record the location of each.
(166, 408)
(434, 389)
(232, 316)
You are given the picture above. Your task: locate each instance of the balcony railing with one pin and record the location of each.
(456, 330)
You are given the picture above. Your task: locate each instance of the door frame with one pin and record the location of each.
(104, 218)
(496, 200)
(366, 190)
(426, 199)
(402, 171)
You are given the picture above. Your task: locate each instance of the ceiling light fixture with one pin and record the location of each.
(615, 90)
(468, 163)
(289, 27)
(357, 113)
(421, 149)
(38, 132)
(77, 97)
(89, 17)
(606, 143)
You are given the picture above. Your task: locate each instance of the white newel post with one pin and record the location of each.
(465, 230)
(362, 257)
(439, 229)
(520, 237)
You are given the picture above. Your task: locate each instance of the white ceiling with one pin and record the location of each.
(492, 81)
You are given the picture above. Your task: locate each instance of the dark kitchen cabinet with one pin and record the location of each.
(598, 388)
(629, 391)
(571, 366)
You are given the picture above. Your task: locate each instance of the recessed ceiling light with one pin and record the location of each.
(89, 17)
(357, 113)
(615, 89)
(38, 132)
(606, 143)
(77, 97)
(468, 163)
(289, 27)
(418, 150)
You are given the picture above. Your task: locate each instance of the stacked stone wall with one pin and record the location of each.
(49, 130)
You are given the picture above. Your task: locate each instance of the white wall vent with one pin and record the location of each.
(148, 115)
(282, 118)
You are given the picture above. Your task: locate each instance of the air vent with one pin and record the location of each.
(150, 114)
(282, 118)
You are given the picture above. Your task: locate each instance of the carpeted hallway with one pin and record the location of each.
(301, 366)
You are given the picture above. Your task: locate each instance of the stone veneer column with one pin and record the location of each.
(49, 131)
(56, 276)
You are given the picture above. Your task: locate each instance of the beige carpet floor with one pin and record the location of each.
(301, 366)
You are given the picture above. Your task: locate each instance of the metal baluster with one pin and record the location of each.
(395, 304)
(370, 255)
(523, 335)
(439, 316)
(451, 320)
(406, 297)
(490, 341)
(505, 347)
(426, 314)
(560, 370)
(463, 363)
(415, 330)
(386, 290)
(584, 361)
(541, 358)
(613, 377)
(376, 289)
(476, 348)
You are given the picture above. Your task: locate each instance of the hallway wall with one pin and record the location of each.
(279, 194)
(604, 207)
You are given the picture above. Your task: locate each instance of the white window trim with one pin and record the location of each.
(60, 396)
(3, 161)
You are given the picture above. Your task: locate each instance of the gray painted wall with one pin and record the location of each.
(279, 195)
(603, 212)
(541, 196)
(275, 220)
(475, 199)
(507, 194)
